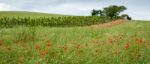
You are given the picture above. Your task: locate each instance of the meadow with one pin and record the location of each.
(127, 42)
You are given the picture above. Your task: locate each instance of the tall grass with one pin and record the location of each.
(128, 43)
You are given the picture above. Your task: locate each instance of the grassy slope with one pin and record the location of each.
(123, 44)
(26, 14)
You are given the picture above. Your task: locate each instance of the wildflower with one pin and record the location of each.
(127, 46)
(65, 47)
(78, 46)
(1, 42)
(110, 40)
(49, 44)
(45, 52)
(37, 46)
(143, 32)
(139, 40)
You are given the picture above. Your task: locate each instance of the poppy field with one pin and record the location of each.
(126, 43)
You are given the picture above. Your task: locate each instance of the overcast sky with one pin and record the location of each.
(137, 9)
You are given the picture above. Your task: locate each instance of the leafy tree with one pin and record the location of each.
(111, 12)
(126, 16)
(101, 13)
(95, 12)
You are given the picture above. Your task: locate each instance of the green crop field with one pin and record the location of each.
(126, 43)
(9, 19)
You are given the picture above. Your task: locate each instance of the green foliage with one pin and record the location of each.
(126, 16)
(111, 12)
(64, 21)
(97, 12)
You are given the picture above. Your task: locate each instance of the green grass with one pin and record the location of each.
(128, 43)
(27, 14)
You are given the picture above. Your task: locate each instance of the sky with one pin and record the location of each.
(137, 9)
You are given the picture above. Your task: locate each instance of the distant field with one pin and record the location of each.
(125, 43)
(26, 14)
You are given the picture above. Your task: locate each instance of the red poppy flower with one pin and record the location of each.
(65, 47)
(1, 42)
(49, 44)
(127, 46)
(37, 46)
(139, 40)
(78, 46)
(45, 52)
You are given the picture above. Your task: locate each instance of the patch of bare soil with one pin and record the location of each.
(109, 24)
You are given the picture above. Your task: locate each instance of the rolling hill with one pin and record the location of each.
(26, 14)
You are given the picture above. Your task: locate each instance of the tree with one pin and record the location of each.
(95, 12)
(126, 17)
(111, 12)
(101, 13)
